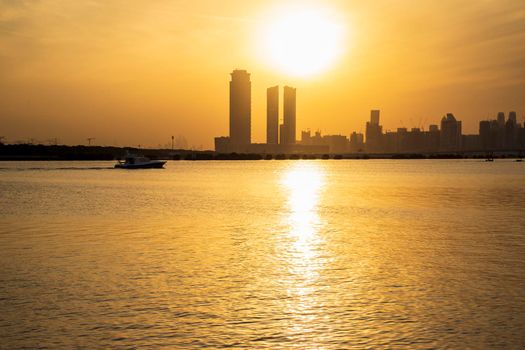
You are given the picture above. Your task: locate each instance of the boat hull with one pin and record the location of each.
(150, 165)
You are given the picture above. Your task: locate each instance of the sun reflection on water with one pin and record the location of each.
(304, 183)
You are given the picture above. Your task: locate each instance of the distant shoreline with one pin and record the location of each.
(27, 152)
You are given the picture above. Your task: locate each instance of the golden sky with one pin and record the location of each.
(131, 72)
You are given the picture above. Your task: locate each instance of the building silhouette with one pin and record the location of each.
(280, 139)
(512, 117)
(501, 119)
(333, 143)
(272, 115)
(288, 128)
(374, 133)
(222, 144)
(357, 142)
(240, 110)
(432, 138)
(501, 130)
(511, 133)
(374, 116)
(470, 143)
(499, 134)
(282, 134)
(450, 138)
(485, 134)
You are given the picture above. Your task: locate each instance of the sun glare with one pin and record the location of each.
(302, 42)
(304, 183)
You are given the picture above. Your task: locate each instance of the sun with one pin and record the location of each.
(302, 42)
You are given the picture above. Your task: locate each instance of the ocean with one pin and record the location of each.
(306, 254)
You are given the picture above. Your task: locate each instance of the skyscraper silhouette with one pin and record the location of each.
(485, 135)
(272, 115)
(512, 117)
(240, 110)
(374, 132)
(501, 119)
(374, 117)
(501, 130)
(450, 138)
(289, 107)
(511, 132)
(282, 134)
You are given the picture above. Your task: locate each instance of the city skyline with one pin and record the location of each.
(500, 134)
(139, 73)
(491, 132)
(240, 85)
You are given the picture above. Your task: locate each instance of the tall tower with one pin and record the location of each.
(501, 119)
(501, 130)
(374, 116)
(450, 137)
(240, 109)
(272, 115)
(512, 117)
(289, 107)
(374, 132)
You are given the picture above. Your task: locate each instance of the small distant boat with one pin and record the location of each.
(139, 162)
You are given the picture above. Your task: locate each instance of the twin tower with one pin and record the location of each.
(283, 134)
(240, 114)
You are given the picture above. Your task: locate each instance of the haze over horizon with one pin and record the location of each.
(138, 73)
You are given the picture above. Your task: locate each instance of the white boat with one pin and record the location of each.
(139, 162)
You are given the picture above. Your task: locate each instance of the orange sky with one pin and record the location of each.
(137, 72)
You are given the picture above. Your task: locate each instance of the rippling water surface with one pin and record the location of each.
(263, 254)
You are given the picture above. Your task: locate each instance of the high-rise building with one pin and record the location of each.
(240, 110)
(450, 137)
(337, 143)
(306, 137)
(470, 143)
(222, 144)
(357, 142)
(282, 134)
(374, 133)
(485, 135)
(374, 116)
(272, 115)
(501, 119)
(511, 134)
(496, 135)
(432, 138)
(289, 116)
(521, 137)
(512, 117)
(500, 131)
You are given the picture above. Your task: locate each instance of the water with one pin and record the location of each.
(263, 254)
